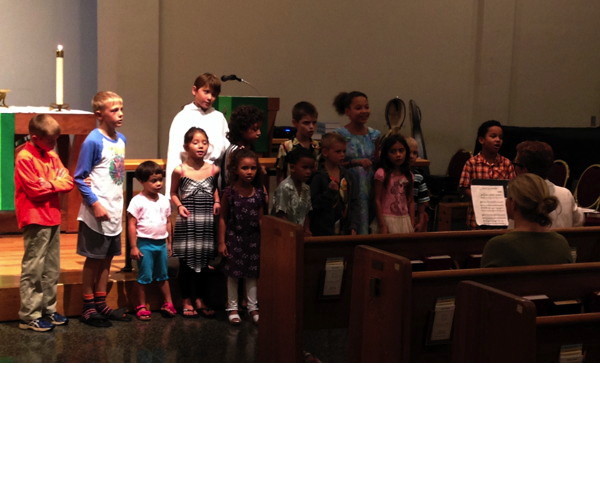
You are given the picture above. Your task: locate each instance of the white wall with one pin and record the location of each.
(31, 30)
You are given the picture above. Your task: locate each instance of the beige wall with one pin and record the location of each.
(525, 62)
(128, 63)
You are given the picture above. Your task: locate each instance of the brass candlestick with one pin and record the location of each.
(3, 93)
(59, 107)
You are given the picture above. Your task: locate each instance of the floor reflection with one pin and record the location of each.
(161, 340)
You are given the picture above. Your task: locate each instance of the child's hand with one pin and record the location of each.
(223, 250)
(88, 182)
(364, 163)
(216, 209)
(99, 211)
(184, 212)
(136, 254)
(421, 226)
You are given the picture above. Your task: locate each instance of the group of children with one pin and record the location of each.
(354, 181)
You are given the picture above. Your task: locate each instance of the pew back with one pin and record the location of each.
(495, 326)
(378, 277)
(562, 281)
(293, 267)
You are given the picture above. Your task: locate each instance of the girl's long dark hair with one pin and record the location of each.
(386, 164)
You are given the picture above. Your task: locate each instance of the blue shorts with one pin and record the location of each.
(153, 265)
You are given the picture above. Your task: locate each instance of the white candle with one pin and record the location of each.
(59, 75)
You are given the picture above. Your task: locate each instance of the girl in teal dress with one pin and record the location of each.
(360, 151)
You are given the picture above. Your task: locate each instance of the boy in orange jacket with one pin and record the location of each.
(39, 178)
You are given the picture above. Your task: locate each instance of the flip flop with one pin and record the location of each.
(188, 312)
(96, 320)
(118, 315)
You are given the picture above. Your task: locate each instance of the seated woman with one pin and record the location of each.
(531, 242)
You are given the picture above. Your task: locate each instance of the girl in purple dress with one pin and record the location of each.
(239, 231)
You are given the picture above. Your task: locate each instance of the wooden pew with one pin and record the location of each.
(563, 281)
(293, 267)
(492, 325)
(378, 277)
(558, 281)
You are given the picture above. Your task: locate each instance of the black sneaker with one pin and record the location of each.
(58, 319)
(37, 325)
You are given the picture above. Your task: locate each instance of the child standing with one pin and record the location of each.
(99, 176)
(194, 194)
(394, 202)
(292, 196)
(304, 118)
(332, 192)
(244, 131)
(199, 113)
(488, 164)
(361, 150)
(421, 193)
(239, 231)
(39, 177)
(150, 237)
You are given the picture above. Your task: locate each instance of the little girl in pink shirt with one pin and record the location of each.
(394, 201)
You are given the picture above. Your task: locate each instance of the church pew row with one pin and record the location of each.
(293, 268)
(410, 306)
(492, 325)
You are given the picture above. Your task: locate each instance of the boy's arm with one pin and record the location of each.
(62, 182)
(31, 179)
(307, 231)
(321, 196)
(85, 164)
(464, 183)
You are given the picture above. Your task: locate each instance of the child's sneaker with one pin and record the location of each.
(58, 319)
(37, 325)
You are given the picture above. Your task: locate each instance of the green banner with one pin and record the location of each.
(7, 161)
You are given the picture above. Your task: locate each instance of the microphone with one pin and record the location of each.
(226, 78)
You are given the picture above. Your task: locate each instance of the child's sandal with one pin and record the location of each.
(168, 310)
(142, 313)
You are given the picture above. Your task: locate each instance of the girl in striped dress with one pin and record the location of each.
(197, 202)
